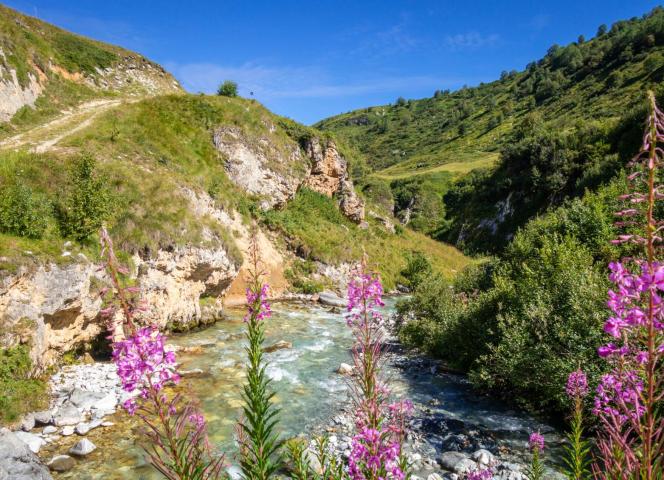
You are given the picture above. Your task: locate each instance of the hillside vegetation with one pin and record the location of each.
(541, 135)
(65, 69)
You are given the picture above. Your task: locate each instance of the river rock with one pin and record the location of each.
(82, 448)
(49, 429)
(67, 414)
(17, 461)
(61, 463)
(84, 400)
(457, 462)
(483, 457)
(34, 442)
(280, 345)
(434, 476)
(28, 422)
(107, 403)
(331, 299)
(44, 417)
(345, 369)
(67, 431)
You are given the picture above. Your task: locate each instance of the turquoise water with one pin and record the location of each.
(306, 384)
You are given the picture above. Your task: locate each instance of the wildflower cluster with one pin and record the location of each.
(376, 449)
(577, 449)
(481, 474)
(628, 399)
(143, 364)
(176, 431)
(257, 305)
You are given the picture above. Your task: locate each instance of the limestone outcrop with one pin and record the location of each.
(56, 308)
(275, 174)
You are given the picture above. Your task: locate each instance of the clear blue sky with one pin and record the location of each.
(312, 59)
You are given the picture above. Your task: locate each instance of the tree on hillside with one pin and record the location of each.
(227, 89)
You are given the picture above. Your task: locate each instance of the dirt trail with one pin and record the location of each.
(43, 138)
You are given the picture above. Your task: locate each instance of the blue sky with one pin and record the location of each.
(312, 59)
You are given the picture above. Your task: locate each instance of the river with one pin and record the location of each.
(309, 393)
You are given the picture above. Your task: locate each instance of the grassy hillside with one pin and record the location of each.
(145, 154)
(585, 90)
(69, 68)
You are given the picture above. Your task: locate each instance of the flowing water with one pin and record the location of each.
(308, 390)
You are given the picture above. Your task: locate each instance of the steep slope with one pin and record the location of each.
(44, 69)
(162, 174)
(585, 91)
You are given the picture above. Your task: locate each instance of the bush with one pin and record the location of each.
(87, 203)
(22, 212)
(227, 89)
(520, 324)
(417, 270)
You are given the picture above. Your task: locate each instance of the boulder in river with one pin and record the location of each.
(345, 369)
(82, 448)
(280, 345)
(61, 463)
(67, 414)
(17, 462)
(331, 299)
(457, 462)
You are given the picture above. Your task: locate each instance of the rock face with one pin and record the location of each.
(275, 174)
(55, 308)
(17, 462)
(13, 95)
(329, 176)
(259, 167)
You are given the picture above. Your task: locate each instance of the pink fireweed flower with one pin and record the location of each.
(536, 442)
(365, 296)
(258, 304)
(619, 395)
(577, 384)
(143, 364)
(372, 457)
(481, 474)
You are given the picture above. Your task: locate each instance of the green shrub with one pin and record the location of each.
(88, 202)
(227, 89)
(417, 270)
(19, 393)
(23, 212)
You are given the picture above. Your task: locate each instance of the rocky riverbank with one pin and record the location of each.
(453, 430)
(440, 445)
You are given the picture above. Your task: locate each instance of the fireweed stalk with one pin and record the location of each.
(177, 443)
(536, 446)
(577, 449)
(629, 398)
(260, 446)
(377, 448)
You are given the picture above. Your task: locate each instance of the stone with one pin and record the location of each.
(48, 430)
(483, 457)
(67, 414)
(450, 460)
(44, 417)
(83, 448)
(280, 345)
(61, 463)
(434, 476)
(28, 422)
(68, 430)
(34, 442)
(82, 428)
(17, 461)
(108, 402)
(464, 466)
(84, 400)
(331, 299)
(345, 369)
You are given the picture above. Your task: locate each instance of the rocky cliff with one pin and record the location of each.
(275, 174)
